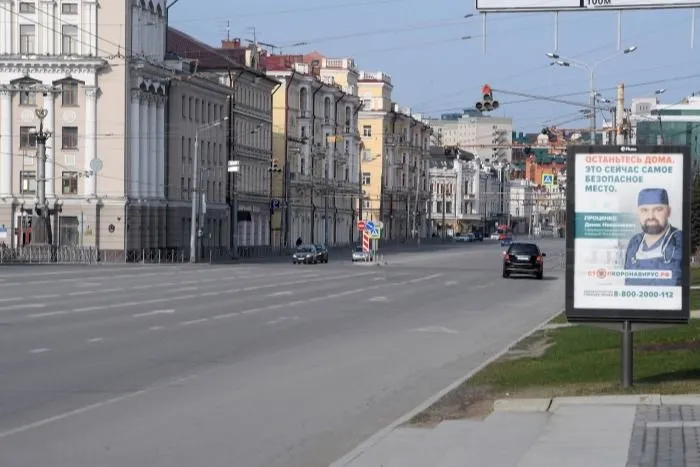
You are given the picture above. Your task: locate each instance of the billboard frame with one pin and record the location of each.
(583, 7)
(626, 316)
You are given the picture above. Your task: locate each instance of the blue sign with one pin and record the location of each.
(547, 179)
(274, 204)
(369, 226)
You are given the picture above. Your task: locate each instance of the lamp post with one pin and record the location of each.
(196, 227)
(41, 224)
(591, 79)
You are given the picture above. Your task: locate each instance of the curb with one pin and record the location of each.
(384, 432)
(552, 404)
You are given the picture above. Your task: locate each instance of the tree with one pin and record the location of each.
(695, 213)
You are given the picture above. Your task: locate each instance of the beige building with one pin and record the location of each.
(245, 95)
(395, 160)
(315, 149)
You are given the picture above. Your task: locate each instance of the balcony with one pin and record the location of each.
(339, 63)
(376, 76)
(304, 114)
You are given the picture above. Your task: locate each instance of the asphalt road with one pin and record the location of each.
(244, 365)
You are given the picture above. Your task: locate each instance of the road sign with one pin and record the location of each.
(379, 225)
(547, 179)
(360, 225)
(274, 204)
(369, 226)
(234, 166)
(375, 234)
(365, 242)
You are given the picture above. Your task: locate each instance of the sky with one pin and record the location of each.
(434, 70)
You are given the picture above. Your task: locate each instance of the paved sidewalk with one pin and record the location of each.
(606, 431)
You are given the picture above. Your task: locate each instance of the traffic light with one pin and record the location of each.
(274, 166)
(488, 104)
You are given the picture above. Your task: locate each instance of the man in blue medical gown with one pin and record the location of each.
(659, 247)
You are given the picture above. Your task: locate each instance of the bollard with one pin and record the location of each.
(143, 256)
(210, 256)
(158, 256)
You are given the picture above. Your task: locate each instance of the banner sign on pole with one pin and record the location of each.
(521, 6)
(628, 248)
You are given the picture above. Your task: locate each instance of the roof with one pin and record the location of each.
(208, 57)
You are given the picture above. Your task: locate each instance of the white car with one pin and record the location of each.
(358, 254)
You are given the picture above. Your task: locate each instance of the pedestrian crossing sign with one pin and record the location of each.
(548, 179)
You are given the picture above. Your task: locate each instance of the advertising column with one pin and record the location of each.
(628, 257)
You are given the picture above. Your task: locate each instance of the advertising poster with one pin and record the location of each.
(630, 240)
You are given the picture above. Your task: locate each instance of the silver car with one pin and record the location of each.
(358, 254)
(305, 254)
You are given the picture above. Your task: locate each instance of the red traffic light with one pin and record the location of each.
(486, 89)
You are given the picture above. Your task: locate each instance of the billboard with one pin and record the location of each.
(628, 242)
(521, 6)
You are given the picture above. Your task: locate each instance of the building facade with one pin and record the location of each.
(395, 160)
(489, 138)
(315, 183)
(104, 173)
(248, 132)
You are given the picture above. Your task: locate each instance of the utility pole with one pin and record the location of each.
(41, 223)
(444, 229)
(195, 229)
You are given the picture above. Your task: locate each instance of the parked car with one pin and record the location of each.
(321, 253)
(523, 258)
(464, 237)
(358, 254)
(305, 254)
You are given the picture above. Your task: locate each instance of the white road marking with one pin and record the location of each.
(155, 328)
(378, 299)
(227, 315)
(379, 279)
(142, 287)
(95, 339)
(186, 289)
(281, 293)
(42, 350)
(189, 282)
(194, 321)
(451, 283)
(437, 330)
(48, 295)
(282, 319)
(23, 306)
(85, 292)
(13, 299)
(88, 284)
(210, 294)
(154, 312)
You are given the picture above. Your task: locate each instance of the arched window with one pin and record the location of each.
(143, 4)
(159, 11)
(150, 7)
(303, 101)
(348, 119)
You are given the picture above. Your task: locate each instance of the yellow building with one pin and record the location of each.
(315, 169)
(394, 160)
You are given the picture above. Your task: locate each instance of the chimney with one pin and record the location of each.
(234, 43)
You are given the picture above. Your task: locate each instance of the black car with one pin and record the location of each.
(523, 258)
(305, 254)
(321, 253)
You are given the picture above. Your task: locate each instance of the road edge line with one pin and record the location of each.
(384, 432)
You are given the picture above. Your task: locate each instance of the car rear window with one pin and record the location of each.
(524, 249)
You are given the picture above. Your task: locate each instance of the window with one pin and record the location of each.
(69, 8)
(69, 183)
(27, 38)
(69, 34)
(27, 7)
(366, 178)
(27, 137)
(69, 94)
(448, 207)
(27, 98)
(69, 137)
(366, 130)
(27, 182)
(367, 156)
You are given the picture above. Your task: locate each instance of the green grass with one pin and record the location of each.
(559, 319)
(586, 360)
(695, 275)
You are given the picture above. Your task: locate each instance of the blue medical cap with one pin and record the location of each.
(652, 196)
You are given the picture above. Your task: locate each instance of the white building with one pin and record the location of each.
(521, 196)
(466, 194)
(489, 138)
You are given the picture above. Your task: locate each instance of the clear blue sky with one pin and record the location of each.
(434, 71)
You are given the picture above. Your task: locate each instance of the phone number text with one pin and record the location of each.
(643, 293)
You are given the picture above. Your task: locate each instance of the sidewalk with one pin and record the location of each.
(605, 431)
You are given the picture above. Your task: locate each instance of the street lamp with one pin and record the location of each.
(559, 61)
(195, 224)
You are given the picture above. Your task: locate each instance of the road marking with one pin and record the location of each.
(48, 295)
(282, 319)
(379, 279)
(141, 287)
(154, 312)
(95, 339)
(42, 350)
(437, 330)
(189, 282)
(227, 315)
(194, 321)
(88, 284)
(23, 306)
(451, 283)
(155, 328)
(210, 294)
(279, 294)
(378, 299)
(85, 292)
(14, 299)
(185, 289)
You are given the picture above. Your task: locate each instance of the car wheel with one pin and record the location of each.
(506, 274)
(540, 275)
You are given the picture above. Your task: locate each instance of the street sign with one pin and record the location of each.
(379, 225)
(369, 226)
(547, 179)
(375, 234)
(234, 166)
(274, 204)
(360, 225)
